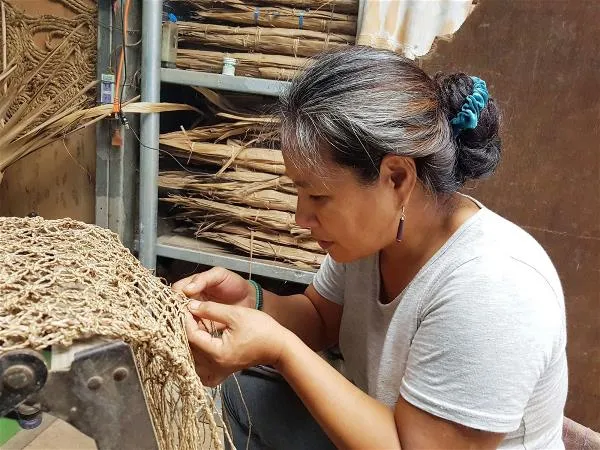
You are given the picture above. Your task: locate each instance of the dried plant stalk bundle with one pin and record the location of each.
(339, 6)
(250, 245)
(278, 17)
(258, 65)
(231, 193)
(199, 208)
(281, 41)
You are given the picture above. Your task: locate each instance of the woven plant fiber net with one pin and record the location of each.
(63, 281)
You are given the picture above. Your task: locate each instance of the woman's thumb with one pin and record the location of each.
(212, 311)
(202, 281)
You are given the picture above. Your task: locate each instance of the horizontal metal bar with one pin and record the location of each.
(224, 82)
(202, 252)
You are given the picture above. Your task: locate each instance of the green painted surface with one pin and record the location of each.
(8, 428)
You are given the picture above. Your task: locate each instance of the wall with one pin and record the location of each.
(52, 182)
(541, 61)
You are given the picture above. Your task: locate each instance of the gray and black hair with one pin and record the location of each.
(357, 105)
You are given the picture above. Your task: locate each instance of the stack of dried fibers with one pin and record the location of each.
(268, 39)
(235, 191)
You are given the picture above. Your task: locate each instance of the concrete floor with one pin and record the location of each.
(61, 436)
(54, 434)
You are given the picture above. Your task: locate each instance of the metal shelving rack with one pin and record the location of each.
(177, 247)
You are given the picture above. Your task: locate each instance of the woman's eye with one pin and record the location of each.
(317, 197)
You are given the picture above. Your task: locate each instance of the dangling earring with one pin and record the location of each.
(400, 226)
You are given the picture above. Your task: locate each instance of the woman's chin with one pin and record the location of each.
(342, 255)
(339, 255)
(325, 245)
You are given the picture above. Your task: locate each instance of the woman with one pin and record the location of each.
(450, 319)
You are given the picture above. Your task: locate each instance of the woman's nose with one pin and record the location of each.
(305, 216)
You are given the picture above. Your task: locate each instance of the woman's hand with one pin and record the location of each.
(219, 285)
(248, 338)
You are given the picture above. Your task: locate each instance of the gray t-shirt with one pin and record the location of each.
(478, 337)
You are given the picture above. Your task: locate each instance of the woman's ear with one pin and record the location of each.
(400, 173)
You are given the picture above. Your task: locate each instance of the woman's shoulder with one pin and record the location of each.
(493, 245)
(493, 268)
(497, 268)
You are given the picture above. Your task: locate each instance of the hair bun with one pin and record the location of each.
(478, 149)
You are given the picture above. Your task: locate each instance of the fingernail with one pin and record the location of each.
(194, 305)
(191, 287)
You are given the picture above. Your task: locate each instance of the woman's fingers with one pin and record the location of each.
(209, 377)
(200, 338)
(209, 374)
(223, 314)
(209, 325)
(212, 327)
(201, 281)
(250, 337)
(179, 285)
(195, 330)
(196, 284)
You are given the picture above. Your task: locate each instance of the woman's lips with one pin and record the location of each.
(325, 244)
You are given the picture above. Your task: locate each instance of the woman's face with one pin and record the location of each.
(349, 219)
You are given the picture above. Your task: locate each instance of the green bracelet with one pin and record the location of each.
(259, 294)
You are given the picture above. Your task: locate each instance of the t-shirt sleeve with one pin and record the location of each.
(482, 345)
(329, 280)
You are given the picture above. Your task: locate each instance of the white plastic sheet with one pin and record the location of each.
(409, 26)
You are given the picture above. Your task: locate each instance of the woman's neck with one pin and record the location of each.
(428, 226)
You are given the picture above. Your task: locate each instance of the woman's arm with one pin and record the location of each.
(349, 416)
(310, 316)
(354, 420)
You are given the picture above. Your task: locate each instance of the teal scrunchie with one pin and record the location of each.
(468, 116)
